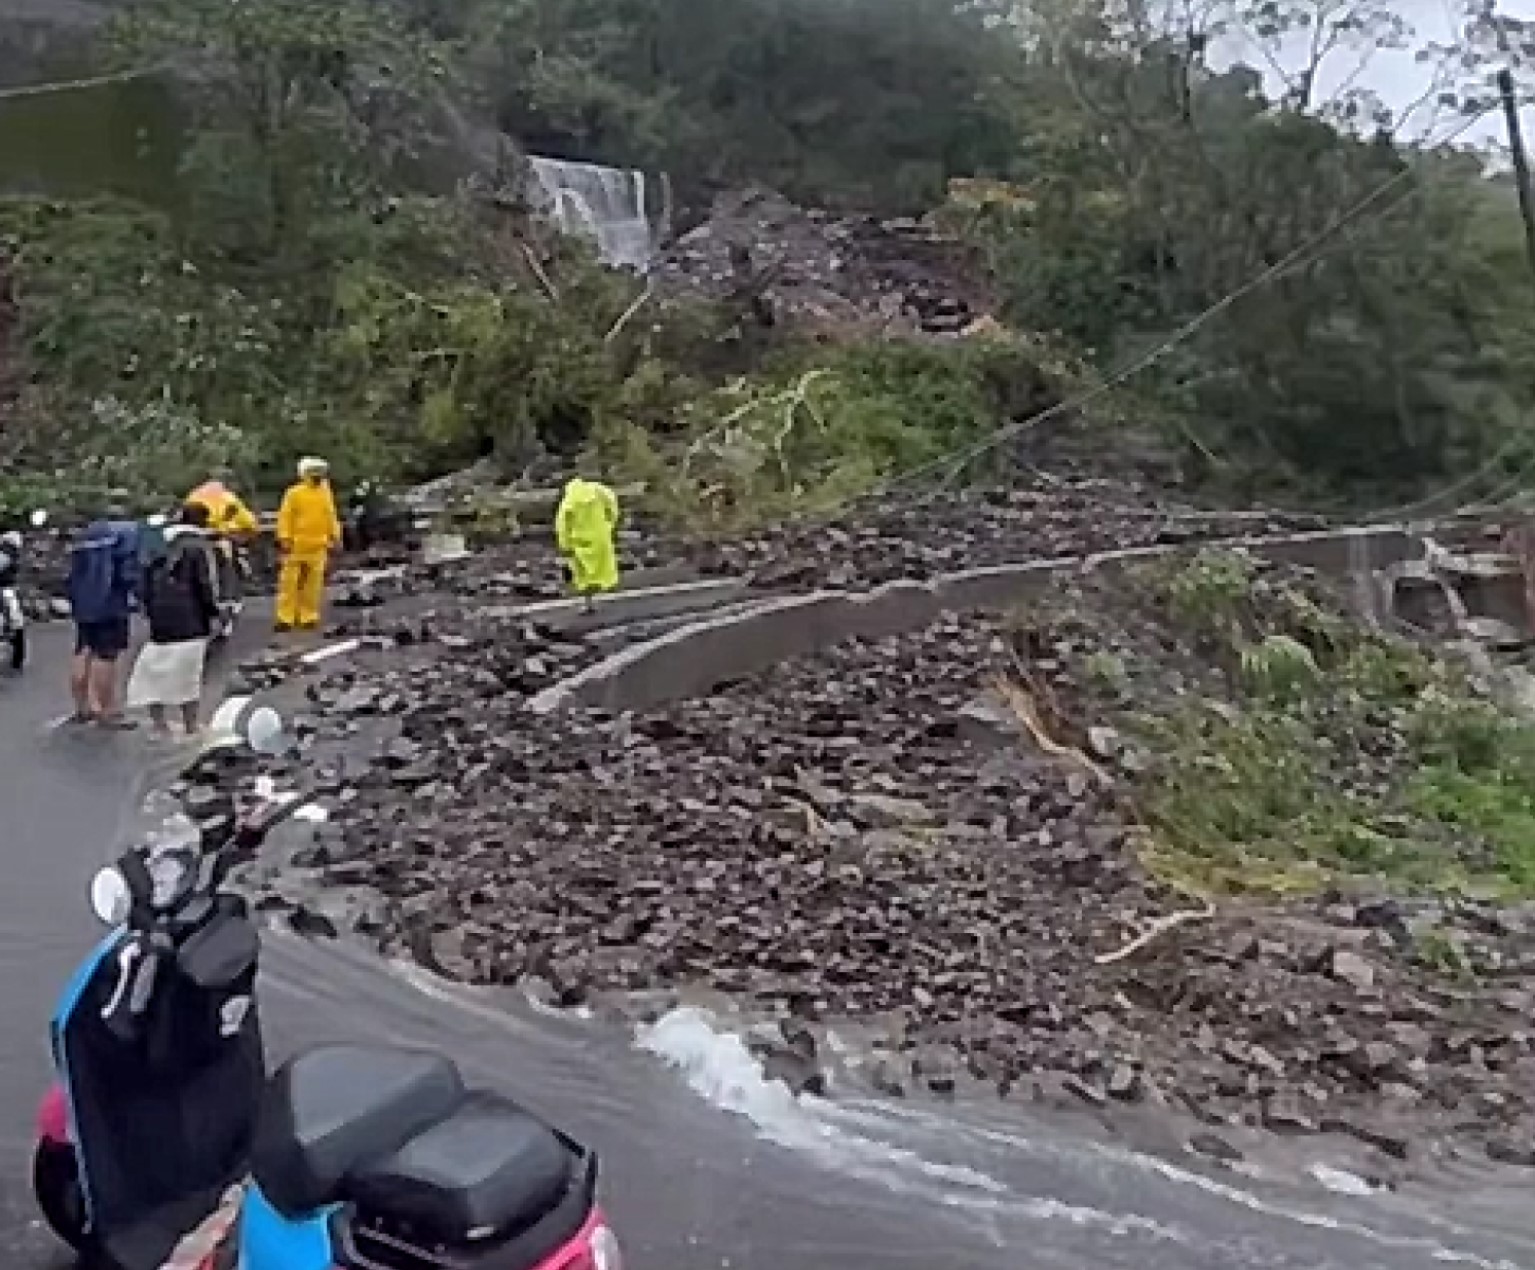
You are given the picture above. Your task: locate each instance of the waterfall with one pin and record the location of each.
(604, 204)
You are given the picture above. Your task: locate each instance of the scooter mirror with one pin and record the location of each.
(110, 898)
(263, 731)
(39, 518)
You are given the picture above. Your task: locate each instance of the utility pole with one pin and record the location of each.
(1521, 159)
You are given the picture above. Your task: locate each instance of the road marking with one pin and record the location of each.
(333, 650)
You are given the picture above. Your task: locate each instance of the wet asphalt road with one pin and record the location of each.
(689, 1186)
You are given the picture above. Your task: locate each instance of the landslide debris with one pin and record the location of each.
(921, 538)
(869, 545)
(853, 276)
(1182, 834)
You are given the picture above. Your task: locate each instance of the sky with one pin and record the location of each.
(1400, 80)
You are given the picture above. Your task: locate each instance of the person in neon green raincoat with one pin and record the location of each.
(584, 528)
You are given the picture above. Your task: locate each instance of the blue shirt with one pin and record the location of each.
(104, 571)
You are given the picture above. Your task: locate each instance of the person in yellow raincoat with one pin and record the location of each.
(308, 530)
(584, 527)
(227, 511)
(233, 526)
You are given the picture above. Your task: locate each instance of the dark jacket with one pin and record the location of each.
(104, 571)
(180, 593)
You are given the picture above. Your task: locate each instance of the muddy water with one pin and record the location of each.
(708, 1165)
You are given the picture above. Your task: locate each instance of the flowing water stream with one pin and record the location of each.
(607, 205)
(710, 1165)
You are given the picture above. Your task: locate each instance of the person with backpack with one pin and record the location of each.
(181, 605)
(103, 593)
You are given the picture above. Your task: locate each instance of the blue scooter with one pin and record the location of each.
(165, 1146)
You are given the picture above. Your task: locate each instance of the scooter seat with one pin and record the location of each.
(490, 1169)
(335, 1107)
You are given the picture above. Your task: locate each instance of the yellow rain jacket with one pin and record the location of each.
(583, 529)
(227, 512)
(307, 529)
(307, 524)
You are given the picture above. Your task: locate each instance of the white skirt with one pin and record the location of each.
(168, 674)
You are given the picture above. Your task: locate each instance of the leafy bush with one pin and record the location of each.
(171, 449)
(821, 430)
(1280, 668)
(1289, 746)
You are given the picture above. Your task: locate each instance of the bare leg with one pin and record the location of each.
(104, 690)
(189, 718)
(80, 684)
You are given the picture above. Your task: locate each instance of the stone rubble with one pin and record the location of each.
(875, 837)
(920, 538)
(868, 546)
(841, 274)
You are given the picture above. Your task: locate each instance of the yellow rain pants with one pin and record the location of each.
(583, 530)
(308, 530)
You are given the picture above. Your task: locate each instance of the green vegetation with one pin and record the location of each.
(316, 277)
(810, 430)
(1290, 747)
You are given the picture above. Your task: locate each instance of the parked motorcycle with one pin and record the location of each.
(13, 618)
(350, 1157)
(233, 572)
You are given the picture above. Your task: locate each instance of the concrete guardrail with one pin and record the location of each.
(697, 658)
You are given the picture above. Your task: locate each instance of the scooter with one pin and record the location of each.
(164, 1143)
(233, 569)
(13, 618)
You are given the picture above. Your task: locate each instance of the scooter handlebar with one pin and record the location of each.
(138, 969)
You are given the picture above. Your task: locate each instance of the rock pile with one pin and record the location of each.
(866, 546)
(523, 570)
(897, 834)
(919, 539)
(847, 274)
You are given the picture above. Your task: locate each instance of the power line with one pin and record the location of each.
(74, 85)
(1290, 261)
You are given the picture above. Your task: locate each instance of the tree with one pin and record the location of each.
(302, 106)
(1321, 297)
(863, 102)
(1161, 187)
